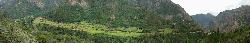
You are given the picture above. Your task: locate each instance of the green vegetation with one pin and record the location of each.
(91, 29)
(111, 13)
(38, 29)
(106, 21)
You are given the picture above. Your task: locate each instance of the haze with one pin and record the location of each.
(209, 6)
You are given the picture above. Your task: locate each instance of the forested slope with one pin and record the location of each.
(101, 21)
(205, 20)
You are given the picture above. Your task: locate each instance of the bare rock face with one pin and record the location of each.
(82, 3)
(232, 19)
(39, 3)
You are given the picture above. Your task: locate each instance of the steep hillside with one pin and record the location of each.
(115, 21)
(231, 20)
(146, 14)
(97, 21)
(205, 20)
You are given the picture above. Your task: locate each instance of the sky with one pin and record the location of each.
(214, 7)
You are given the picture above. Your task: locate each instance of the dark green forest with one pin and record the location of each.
(107, 21)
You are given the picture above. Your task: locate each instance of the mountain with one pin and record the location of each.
(205, 20)
(96, 21)
(232, 20)
(157, 14)
(116, 21)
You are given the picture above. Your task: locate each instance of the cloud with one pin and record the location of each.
(208, 6)
(245, 2)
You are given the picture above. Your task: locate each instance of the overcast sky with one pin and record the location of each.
(209, 6)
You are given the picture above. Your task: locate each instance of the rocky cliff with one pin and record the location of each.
(230, 20)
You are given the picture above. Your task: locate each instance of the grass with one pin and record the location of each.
(86, 27)
(95, 28)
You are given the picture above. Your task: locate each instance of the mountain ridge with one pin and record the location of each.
(232, 19)
(204, 20)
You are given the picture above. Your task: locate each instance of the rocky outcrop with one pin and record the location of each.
(230, 20)
(39, 3)
(82, 3)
